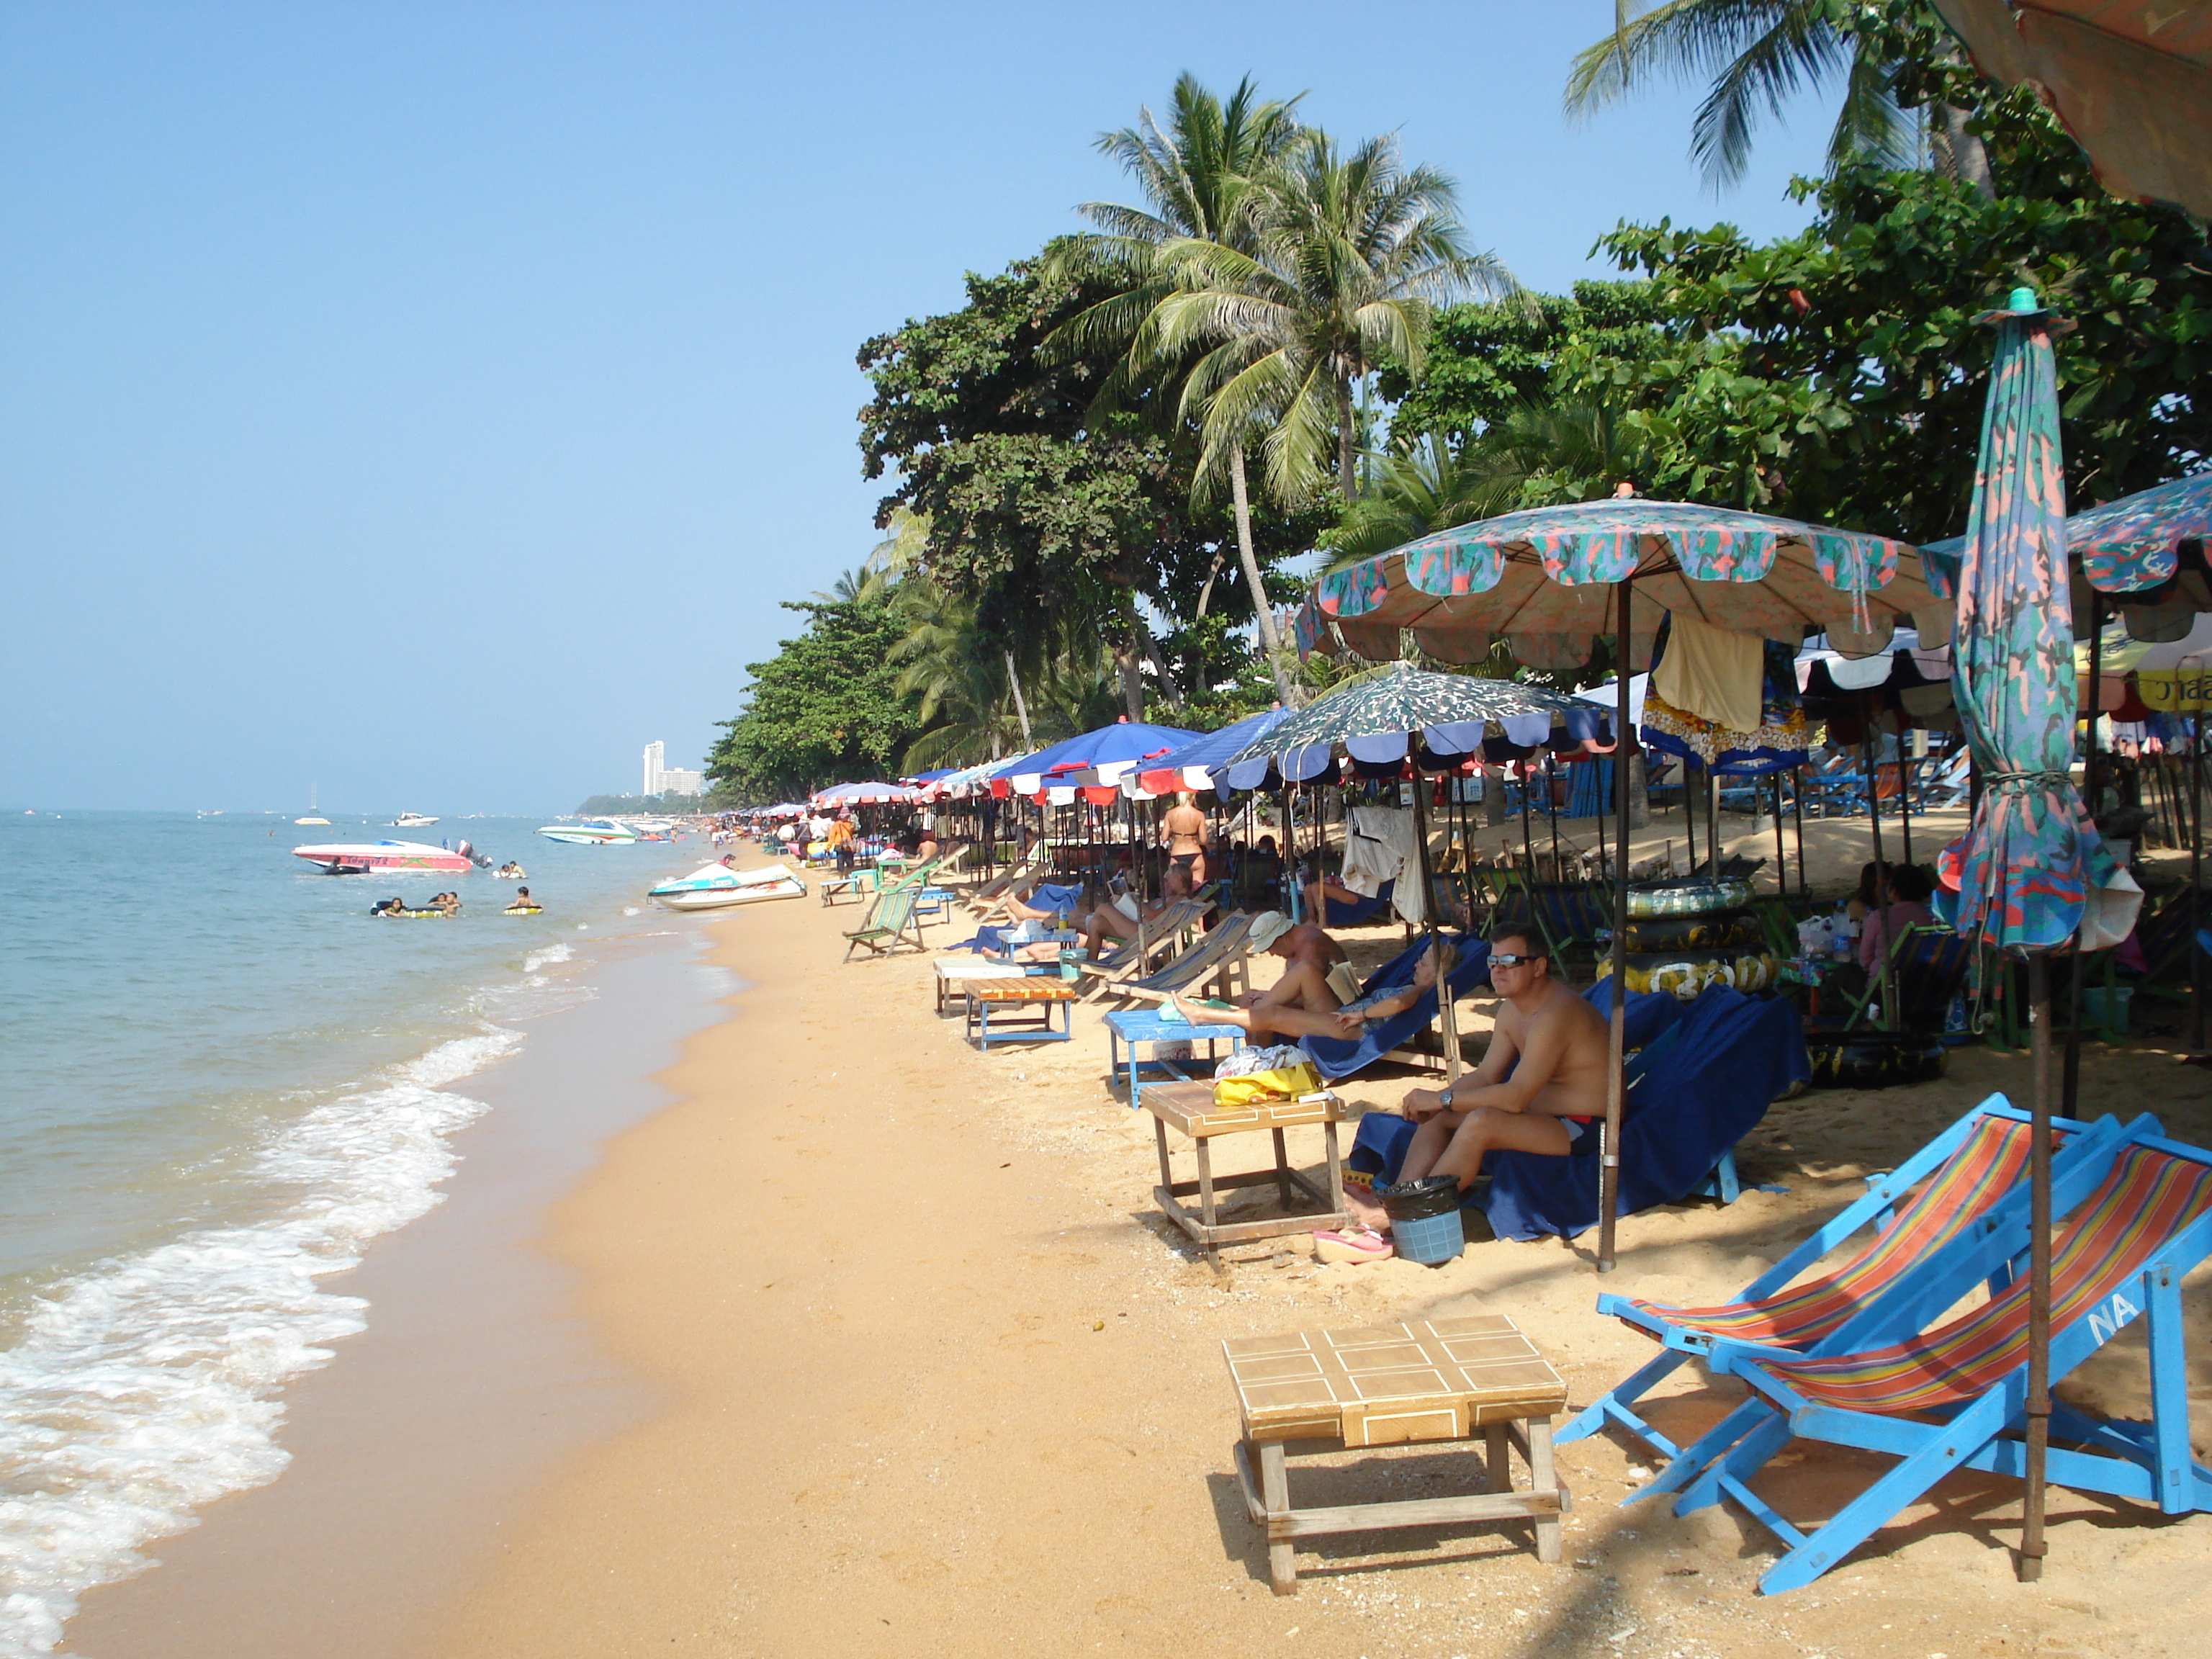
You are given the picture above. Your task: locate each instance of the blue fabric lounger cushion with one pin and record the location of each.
(1730, 1057)
(1350, 912)
(1336, 1058)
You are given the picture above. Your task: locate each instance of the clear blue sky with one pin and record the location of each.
(434, 400)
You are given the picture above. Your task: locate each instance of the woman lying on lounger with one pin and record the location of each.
(1303, 1003)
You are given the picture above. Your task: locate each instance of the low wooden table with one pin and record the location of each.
(1429, 1380)
(1008, 994)
(1189, 1108)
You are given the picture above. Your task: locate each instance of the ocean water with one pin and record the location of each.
(222, 1079)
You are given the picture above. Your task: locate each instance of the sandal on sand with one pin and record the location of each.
(1352, 1244)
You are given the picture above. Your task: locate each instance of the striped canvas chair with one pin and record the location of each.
(1961, 1176)
(1952, 1397)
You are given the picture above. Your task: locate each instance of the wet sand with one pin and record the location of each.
(413, 1450)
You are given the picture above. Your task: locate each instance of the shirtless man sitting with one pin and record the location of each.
(1538, 1088)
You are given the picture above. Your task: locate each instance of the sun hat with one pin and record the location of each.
(1266, 927)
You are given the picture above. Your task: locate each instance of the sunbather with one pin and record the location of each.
(1118, 917)
(1540, 1088)
(1303, 1003)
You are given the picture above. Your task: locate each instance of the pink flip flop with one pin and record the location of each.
(1353, 1244)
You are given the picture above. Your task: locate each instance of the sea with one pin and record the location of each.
(220, 1078)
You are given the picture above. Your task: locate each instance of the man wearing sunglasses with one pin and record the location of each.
(1540, 1088)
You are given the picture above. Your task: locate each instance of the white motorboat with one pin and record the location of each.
(412, 820)
(590, 832)
(716, 886)
(362, 858)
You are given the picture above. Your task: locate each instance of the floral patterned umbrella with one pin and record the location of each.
(1542, 581)
(1377, 718)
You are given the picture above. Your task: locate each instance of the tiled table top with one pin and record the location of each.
(1435, 1379)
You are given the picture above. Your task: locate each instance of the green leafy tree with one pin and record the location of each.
(1350, 254)
(826, 708)
(1197, 175)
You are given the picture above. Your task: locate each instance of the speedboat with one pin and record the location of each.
(359, 858)
(590, 832)
(321, 821)
(716, 886)
(412, 820)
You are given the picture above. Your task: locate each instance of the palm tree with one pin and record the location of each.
(1761, 53)
(1350, 254)
(1198, 173)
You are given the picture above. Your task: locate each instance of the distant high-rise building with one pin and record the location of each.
(680, 780)
(655, 753)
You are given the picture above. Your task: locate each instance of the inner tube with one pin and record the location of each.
(523, 910)
(1688, 898)
(1684, 973)
(1718, 930)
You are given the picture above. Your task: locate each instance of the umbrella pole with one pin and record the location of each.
(1616, 1070)
(1781, 850)
(1797, 812)
(1527, 836)
(1447, 1016)
(1552, 809)
(2031, 1546)
(2071, 1075)
(2196, 870)
(1881, 880)
(1904, 792)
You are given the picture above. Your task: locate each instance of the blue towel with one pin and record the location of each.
(1337, 1057)
(1731, 1055)
(1054, 896)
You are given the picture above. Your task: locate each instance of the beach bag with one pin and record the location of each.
(1267, 1057)
(1278, 1083)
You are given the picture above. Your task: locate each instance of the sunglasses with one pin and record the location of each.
(1507, 959)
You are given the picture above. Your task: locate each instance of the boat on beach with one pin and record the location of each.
(363, 858)
(590, 832)
(717, 887)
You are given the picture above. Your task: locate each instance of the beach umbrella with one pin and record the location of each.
(2026, 868)
(865, 795)
(1110, 750)
(1190, 767)
(2131, 80)
(1549, 581)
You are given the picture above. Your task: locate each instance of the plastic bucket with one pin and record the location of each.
(2093, 1006)
(1425, 1224)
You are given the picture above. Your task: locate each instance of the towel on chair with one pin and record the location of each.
(1731, 1057)
(1337, 1057)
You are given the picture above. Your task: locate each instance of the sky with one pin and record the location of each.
(431, 404)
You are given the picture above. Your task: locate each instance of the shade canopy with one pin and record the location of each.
(1380, 719)
(1110, 750)
(1190, 767)
(864, 794)
(2131, 79)
(1541, 581)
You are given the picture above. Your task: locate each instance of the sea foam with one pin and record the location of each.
(143, 1388)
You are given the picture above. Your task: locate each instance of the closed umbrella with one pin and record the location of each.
(2026, 868)
(1549, 581)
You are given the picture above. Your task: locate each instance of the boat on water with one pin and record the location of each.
(590, 832)
(315, 808)
(716, 887)
(412, 820)
(362, 858)
(311, 820)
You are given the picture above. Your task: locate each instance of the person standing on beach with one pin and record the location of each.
(841, 842)
(1186, 833)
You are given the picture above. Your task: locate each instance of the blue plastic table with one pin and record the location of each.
(1144, 1025)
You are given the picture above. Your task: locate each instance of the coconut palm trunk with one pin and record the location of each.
(1270, 640)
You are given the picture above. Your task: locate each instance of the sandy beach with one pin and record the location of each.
(938, 1377)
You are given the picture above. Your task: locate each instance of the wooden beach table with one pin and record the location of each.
(1420, 1382)
(1189, 1107)
(1043, 995)
(956, 973)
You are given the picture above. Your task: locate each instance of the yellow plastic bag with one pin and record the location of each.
(1284, 1082)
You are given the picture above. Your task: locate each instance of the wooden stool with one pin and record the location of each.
(1435, 1379)
(1189, 1107)
(1007, 995)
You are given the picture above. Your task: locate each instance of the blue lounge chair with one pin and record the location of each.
(1339, 1058)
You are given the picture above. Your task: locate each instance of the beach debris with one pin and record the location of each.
(1097, 1324)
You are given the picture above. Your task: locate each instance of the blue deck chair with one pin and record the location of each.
(1338, 1057)
(1732, 1058)
(1954, 1397)
(1952, 1184)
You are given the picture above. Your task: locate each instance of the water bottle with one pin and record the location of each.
(1839, 930)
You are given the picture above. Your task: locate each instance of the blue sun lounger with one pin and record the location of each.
(1337, 1057)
